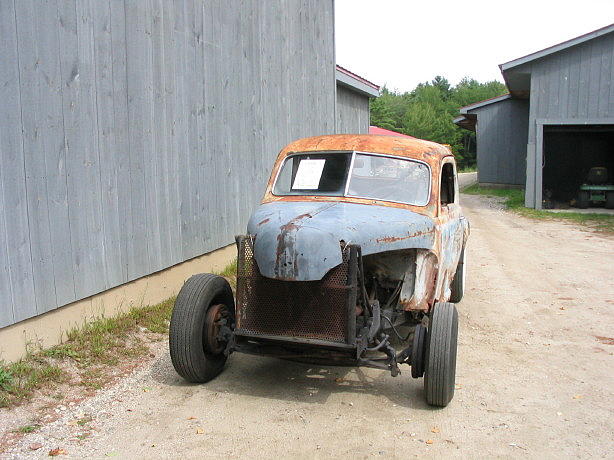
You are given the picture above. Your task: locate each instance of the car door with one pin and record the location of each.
(451, 223)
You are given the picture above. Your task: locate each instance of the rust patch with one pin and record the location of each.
(392, 239)
(430, 152)
(263, 222)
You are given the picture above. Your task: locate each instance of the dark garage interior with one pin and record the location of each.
(570, 151)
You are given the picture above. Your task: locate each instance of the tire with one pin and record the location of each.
(609, 200)
(457, 287)
(583, 199)
(188, 338)
(440, 367)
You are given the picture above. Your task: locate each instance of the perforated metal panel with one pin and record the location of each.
(294, 309)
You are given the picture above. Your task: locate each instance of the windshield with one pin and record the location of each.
(372, 176)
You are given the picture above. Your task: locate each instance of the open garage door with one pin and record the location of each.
(569, 153)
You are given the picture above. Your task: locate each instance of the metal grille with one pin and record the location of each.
(298, 309)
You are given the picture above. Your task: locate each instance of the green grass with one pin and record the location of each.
(467, 169)
(28, 428)
(91, 347)
(230, 270)
(230, 273)
(515, 202)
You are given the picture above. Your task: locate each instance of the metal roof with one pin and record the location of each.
(386, 132)
(356, 82)
(477, 105)
(392, 145)
(556, 48)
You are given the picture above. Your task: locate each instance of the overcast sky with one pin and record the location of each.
(400, 43)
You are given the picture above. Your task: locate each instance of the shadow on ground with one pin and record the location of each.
(299, 382)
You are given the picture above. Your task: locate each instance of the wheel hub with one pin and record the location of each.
(216, 317)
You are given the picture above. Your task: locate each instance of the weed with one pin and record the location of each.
(28, 428)
(60, 352)
(26, 376)
(515, 202)
(6, 378)
(84, 421)
(230, 270)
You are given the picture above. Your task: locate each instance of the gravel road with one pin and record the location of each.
(535, 372)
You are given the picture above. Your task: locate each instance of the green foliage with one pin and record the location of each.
(427, 112)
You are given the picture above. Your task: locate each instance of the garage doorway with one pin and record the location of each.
(569, 153)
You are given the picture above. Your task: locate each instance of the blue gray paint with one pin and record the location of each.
(301, 240)
(574, 85)
(501, 135)
(352, 111)
(137, 135)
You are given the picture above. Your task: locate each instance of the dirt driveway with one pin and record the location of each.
(535, 375)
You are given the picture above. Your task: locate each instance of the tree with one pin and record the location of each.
(427, 111)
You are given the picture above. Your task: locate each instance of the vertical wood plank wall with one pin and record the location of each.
(577, 83)
(135, 135)
(352, 112)
(501, 132)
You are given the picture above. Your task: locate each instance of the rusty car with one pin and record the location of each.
(356, 256)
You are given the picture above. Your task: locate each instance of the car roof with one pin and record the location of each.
(418, 149)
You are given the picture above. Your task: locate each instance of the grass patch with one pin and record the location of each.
(467, 169)
(229, 270)
(20, 379)
(91, 347)
(230, 273)
(514, 200)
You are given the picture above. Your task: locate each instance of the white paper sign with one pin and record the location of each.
(308, 175)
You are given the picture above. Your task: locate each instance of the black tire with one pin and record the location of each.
(190, 354)
(418, 352)
(583, 199)
(440, 368)
(609, 200)
(457, 287)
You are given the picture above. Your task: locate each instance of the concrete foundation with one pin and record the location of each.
(50, 328)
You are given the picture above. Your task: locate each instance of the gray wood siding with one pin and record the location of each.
(502, 141)
(573, 84)
(352, 112)
(137, 135)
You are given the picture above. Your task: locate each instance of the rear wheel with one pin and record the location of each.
(458, 283)
(204, 305)
(440, 367)
(583, 199)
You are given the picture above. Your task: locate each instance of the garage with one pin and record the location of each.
(554, 125)
(575, 156)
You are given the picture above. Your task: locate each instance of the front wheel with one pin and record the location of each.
(204, 305)
(458, 283)
(441, 343)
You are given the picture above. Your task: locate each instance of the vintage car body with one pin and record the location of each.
(369, 244)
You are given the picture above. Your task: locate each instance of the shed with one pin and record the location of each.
(136, 138)
(353, 95)
(556, 122)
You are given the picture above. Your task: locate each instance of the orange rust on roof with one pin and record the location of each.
(411, 148)
(417, 149)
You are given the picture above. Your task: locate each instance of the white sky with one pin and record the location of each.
(401, 43)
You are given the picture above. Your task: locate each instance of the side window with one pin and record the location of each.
(447, 192)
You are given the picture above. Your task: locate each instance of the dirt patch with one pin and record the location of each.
(530, 380)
